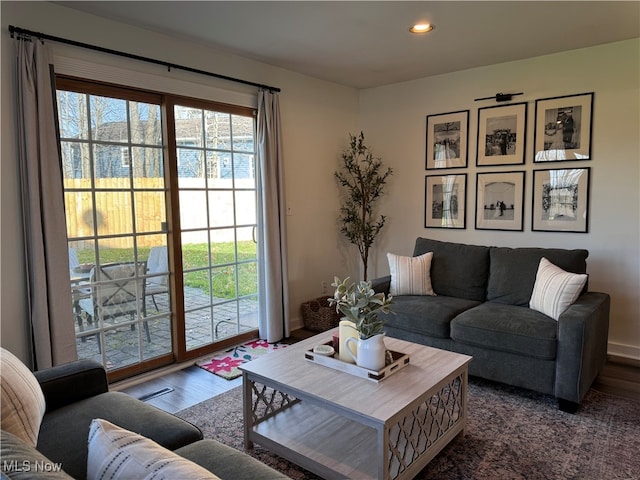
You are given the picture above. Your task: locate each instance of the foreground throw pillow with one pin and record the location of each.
(555, 289)
(115, 452)
(22, 400)
(410, 275)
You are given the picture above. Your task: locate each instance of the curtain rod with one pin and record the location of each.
(43, 36)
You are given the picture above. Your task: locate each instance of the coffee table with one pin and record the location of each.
(338, 425)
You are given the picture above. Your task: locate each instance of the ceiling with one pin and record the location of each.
(367, 43)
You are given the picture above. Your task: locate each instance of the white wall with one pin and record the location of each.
(316, 115)
(394, 119)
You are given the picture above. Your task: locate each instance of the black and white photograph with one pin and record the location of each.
(499, 201)
(561, 200)
(445, 200)
(447, 136)
(563, 128)
(501, 135)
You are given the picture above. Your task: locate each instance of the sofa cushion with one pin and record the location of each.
(21, 398)
(426, 315)
(72, 422)
(227, 462)
(457, 270)
(410, 275)
(513, 271)
(115, 452)
(507, 328)
(555, 289)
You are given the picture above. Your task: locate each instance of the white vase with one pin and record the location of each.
(370, 353)
(346, 330)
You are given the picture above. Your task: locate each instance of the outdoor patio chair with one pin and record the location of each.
(115, 291)
(157, 263)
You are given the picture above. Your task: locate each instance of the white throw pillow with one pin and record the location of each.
(115, 452)
(555, 290)
(410, 275)
(22, 400)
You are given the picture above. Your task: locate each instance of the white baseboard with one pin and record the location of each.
(621, 350)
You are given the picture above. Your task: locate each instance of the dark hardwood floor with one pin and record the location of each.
(183, 388)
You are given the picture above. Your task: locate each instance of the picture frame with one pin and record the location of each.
(501, 134)
(561, 200)
(447, 140)
(445, 198)
(500, 201)
(563, 128)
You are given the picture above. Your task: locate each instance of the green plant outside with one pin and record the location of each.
(195, 258)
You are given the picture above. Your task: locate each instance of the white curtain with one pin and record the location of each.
(272, 248)
(47, 264)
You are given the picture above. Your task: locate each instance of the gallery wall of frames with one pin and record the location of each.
(558, 185)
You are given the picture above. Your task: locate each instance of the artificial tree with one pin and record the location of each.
(362, 179)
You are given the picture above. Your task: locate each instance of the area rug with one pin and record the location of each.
(226, 364)
(511, 434)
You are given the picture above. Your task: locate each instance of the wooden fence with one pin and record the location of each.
(116, 202)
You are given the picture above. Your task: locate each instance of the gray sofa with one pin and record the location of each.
(481, 308)
(78, 392)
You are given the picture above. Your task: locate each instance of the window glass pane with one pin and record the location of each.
(188, 126)
(113, 213)
(148, 167)
(220, 208)
(244, 173)
(223, 282)
(213, 170)
(112, 161)
(225, 170)
(242, 133)
(247, 246)
(76, 164)
(109, 119)
(248, 278)
(79, 214)
(115, 250)
(218, 130)
(150, 213)
(191, 169)
(145, 123)
(195, 250)
(223, 248)
(245, 207)
(193, 209)
(72, 115)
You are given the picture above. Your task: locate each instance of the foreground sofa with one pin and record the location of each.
(77, 393)
(481, 308)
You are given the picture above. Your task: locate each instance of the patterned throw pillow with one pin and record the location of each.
(555, 290)
(118, 453)
(410, 275)
(22, 400)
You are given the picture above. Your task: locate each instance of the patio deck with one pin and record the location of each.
(124, 346)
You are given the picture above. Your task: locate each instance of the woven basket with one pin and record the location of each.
(318, 316)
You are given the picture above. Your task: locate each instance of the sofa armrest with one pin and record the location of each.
(381, 284)
(71, 382)
(583, 332)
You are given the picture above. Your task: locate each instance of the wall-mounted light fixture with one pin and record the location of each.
(500, 97)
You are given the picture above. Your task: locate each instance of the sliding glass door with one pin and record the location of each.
(216, 188)
(161, 222)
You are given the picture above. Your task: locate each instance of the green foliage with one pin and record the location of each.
(362, 179)
(195, 259)
(361, 305)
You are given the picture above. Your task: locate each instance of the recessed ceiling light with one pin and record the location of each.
(421, 28)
